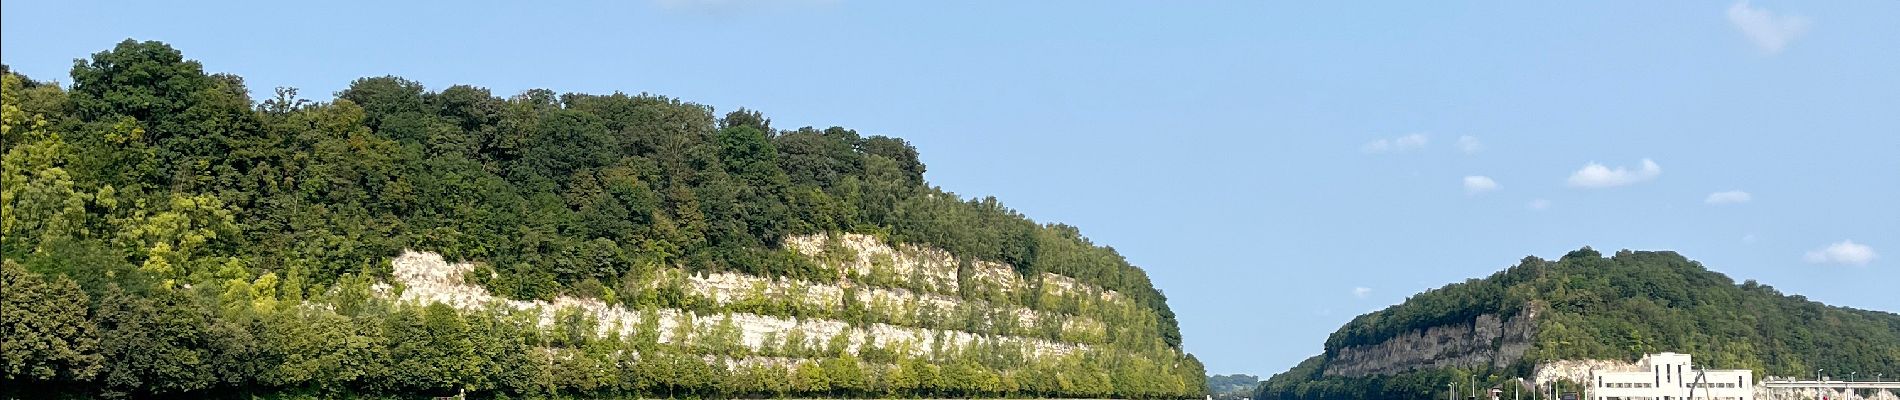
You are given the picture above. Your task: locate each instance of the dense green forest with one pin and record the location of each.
(1235, 386)
(166, 236)
(1621, 307)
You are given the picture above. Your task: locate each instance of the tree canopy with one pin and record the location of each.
(1617, 308)
(210, 245)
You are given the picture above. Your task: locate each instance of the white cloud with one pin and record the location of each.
(1470, 144)
(1361, 292)
(1539, 204)
(1396, 145)
(1479, 184)
(1768, 31)
(1728, 197)
(1749, 238)
(1845, 252)
(1597, 176)
(1412, 141)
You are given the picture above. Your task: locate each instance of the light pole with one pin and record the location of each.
(1852, 393)
(1819, 381)
(1451, 393)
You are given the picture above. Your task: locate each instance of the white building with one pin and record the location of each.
(1670, 376)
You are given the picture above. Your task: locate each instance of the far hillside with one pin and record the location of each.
(1235, 386)
(1529, 318)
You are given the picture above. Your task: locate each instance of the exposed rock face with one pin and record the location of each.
(1578, 370)
(932, 269)
(427, 278)
(1058, 284)
(729, 287)
(1486, 340)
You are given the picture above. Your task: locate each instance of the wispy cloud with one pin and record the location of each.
(1361, 292)
(1728, 197)
(1479, 184)
(1846, 252)
(1396, 145)
(1597, 176)
(1538, 205)
(1470, 144)
(1769, 32)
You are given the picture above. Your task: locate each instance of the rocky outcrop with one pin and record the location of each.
(933, 270)
(427, 278)
(729, 287)
(1578, 370)
(424, 277)
(1486, 340)
(930, 270)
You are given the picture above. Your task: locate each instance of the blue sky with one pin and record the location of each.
(1277, 168)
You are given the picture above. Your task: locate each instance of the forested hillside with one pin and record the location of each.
(1589, 307)
(165, 235)
(1235, 386)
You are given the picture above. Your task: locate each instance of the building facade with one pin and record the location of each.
(1671, 376)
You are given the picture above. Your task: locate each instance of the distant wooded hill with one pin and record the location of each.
(1232, 386)
(1586, 306)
